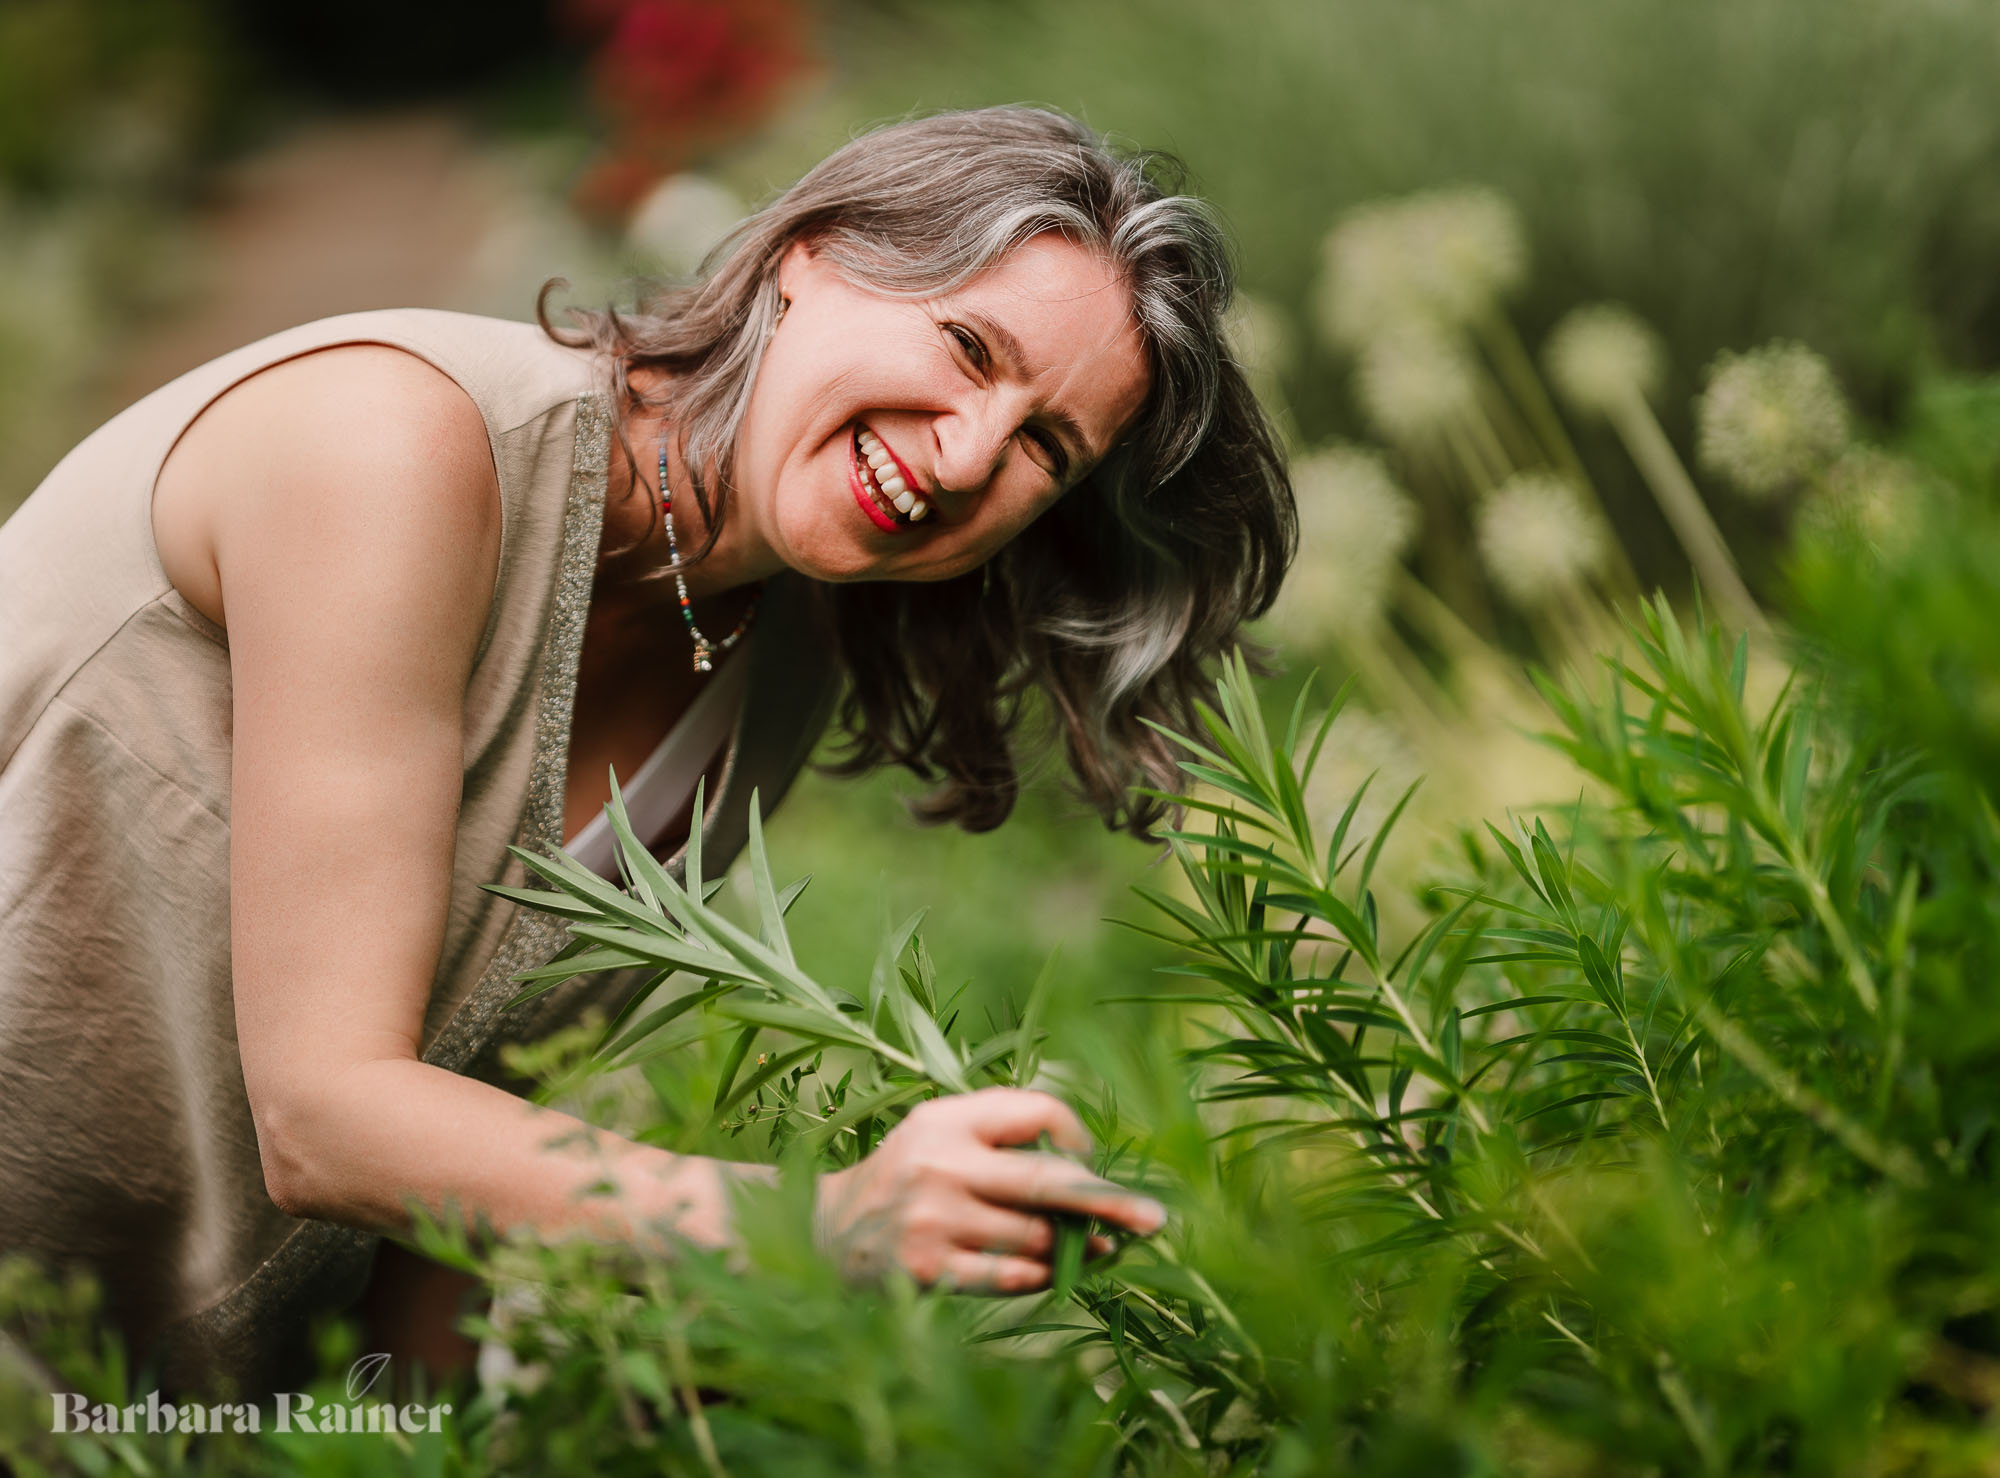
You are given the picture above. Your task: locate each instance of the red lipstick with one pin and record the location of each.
(856, 486)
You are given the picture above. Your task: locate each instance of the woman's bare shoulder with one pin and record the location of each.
(356, 452)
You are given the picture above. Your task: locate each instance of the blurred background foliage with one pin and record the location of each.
(183, 175)
(1708, 281)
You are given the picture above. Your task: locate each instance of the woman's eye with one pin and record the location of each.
(1052, 453)
(969, 342)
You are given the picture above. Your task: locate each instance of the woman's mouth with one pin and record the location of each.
(879, 485)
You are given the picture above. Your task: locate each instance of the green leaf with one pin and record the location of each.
(1027, 1040)
(1583, 1036)
(791, 894)
(631, 1004)
(1570, 1102)
(747, 1009)
(1599, 972)
(545, 900)
(652, 949)
(1339, 838)
(586, 962)
(884, 982)
(776, 1066)
(865, 1107)
(770, 908)
(1520, 1002)
(1382, 835)
(1554, 875)
(732, 1063)
(1326, 722)
(1519, 863)
(930, 1045)
(628, 845)
(654, 1020)
(586, 886)
(691, 857)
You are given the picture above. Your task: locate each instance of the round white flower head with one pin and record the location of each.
(1871, 496)
(1538, 538)
(1355, 524)
(1414, 381)
(1441, 257)
(1603, 357)
(681, 219)
(1770, 418)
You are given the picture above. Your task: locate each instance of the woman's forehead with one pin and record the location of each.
(1061, 318)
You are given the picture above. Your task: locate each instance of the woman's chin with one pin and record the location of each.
(836, 561)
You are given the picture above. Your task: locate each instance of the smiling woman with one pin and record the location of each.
(995, 287)
(991, 430)
(918, 408)
(302, 642)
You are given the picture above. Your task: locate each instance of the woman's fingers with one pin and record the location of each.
(999, 1229)
(998, 1116)
(943, 1200)
(1014, 1178)
(993, 1272)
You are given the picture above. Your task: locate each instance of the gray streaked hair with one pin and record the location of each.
(1113, 601)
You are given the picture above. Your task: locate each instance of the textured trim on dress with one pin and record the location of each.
(532, 937)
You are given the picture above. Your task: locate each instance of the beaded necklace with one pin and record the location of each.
(705, 651)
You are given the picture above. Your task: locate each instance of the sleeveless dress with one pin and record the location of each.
(126, 1140)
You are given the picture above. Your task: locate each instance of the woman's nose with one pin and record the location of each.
(970, 444)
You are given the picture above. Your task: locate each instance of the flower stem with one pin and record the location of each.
(1516, 372)
(1678, 498)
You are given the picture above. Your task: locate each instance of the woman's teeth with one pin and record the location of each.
(885, 479)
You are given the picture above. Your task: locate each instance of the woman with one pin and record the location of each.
(299, 644)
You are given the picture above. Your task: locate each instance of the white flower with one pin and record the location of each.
(501, 1373)
(1770, 418)
(680, 221)
(1440, 257)
(1354, 526)
(1539, 538)
(1602, 358)
(1415, 381)
(1871, 496)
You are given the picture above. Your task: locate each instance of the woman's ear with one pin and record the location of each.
(797, 267)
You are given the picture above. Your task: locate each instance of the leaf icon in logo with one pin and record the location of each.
(363, 1374)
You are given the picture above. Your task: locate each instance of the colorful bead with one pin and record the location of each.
(704, 650)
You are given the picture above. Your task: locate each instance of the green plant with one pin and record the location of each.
(1661, 1142)
(1570, 1170)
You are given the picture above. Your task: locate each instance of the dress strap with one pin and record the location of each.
(661, 788)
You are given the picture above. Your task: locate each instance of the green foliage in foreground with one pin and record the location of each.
(1664, 1146)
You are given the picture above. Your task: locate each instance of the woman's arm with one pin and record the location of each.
(353, 511)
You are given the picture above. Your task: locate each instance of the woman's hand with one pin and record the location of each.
(941, 1199)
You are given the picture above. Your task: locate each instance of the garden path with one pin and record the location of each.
(368, 211)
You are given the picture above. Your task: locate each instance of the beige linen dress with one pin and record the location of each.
(126, 1140)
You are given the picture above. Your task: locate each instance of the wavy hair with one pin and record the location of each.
(1115, 599)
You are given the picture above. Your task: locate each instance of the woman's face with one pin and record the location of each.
(974, 411)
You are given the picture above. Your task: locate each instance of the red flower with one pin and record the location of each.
(675, 75)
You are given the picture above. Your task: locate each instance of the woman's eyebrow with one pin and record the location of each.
(1002, 338)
